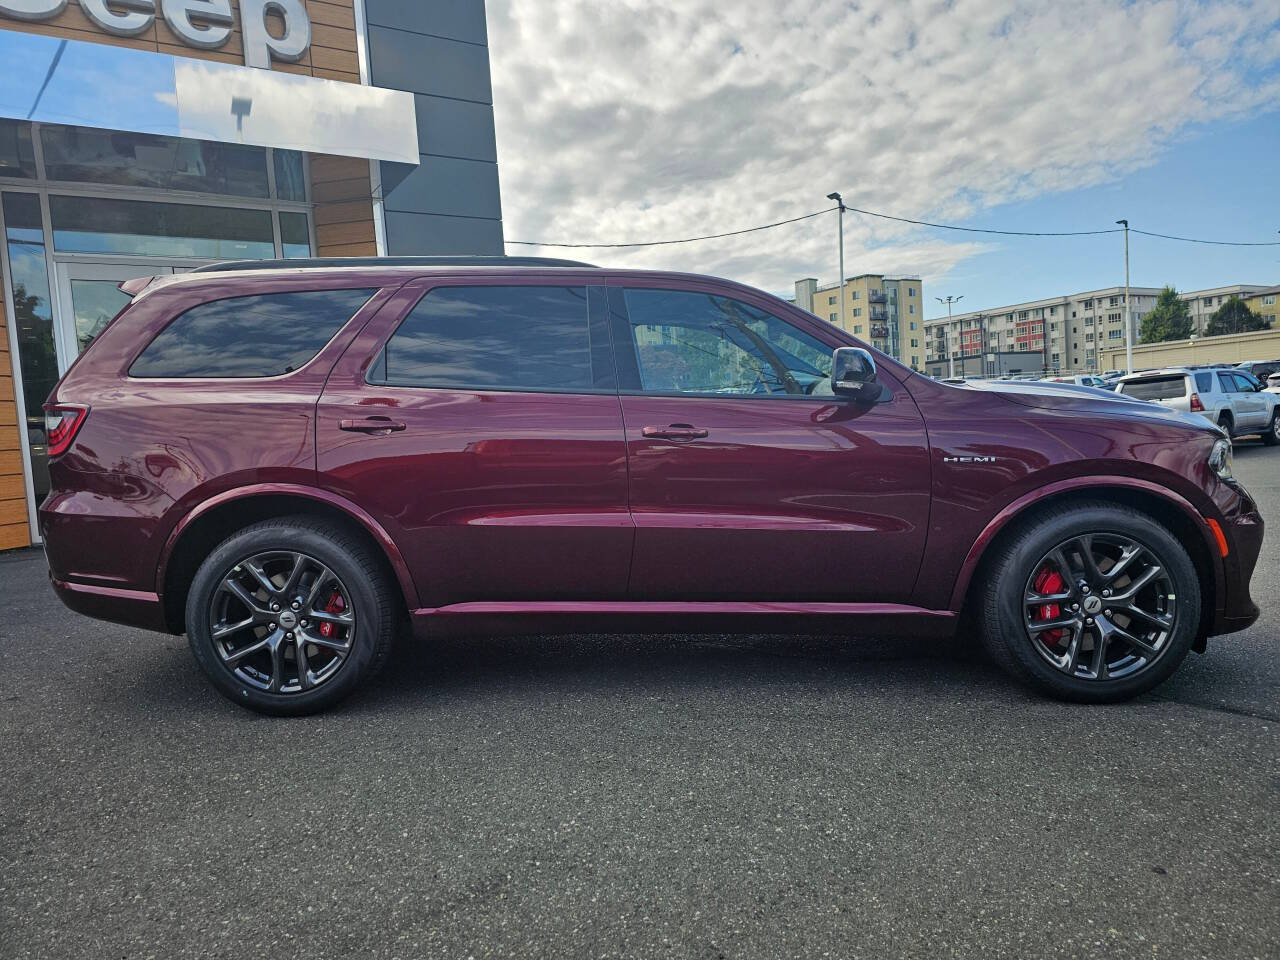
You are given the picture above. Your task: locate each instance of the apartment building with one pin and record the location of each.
(1065, 331)
(1203, 304)
(885, 311)
(1266, 303)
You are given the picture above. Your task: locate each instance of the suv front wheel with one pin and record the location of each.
(289, 616)
(1090, 602)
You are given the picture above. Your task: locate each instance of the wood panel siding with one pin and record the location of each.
(14, 531)
(343, 198)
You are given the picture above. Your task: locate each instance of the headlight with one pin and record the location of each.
(1220, 459)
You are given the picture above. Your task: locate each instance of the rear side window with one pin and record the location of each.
(262, 336)
(1156, 388)
(1204, 382)
(535, 338)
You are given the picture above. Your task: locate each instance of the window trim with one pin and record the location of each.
(597, 321)
(629, 368)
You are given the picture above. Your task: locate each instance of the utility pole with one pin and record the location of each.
(1128, 327)
(840, 286)
(951, 357)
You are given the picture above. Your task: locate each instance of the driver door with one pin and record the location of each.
(748, 479)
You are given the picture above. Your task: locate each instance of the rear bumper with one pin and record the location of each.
(133, 608)
(1244, 534)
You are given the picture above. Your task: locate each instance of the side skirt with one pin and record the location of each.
(519, 617)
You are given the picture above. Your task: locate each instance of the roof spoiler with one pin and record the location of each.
(136, 285)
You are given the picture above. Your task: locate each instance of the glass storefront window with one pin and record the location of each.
(142, 160)
(291, 177)
(295, 238)
(33, 316)
(142, 228)
(17, 156)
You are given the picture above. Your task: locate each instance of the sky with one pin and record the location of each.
(636, 120)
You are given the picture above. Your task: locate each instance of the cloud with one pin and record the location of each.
(624, 120)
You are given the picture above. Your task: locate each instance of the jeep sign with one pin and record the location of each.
(198, 23)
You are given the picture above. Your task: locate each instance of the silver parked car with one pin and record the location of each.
(1229, 397)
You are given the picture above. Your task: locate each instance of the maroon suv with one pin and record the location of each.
(291, 464)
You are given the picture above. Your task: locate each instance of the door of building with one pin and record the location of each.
(89, 295)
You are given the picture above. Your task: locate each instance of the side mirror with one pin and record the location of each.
(853, 374)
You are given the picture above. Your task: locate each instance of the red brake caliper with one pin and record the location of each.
(1049, 580)
(335, 605)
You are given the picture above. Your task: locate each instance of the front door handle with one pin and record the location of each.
(380, 426)
(676, 431)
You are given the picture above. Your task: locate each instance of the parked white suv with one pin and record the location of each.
(1231, 398)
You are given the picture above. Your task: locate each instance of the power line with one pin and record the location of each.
(1216, 243)
(887, 216)
(663, 243)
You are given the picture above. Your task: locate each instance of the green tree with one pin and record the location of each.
(1234, 316)
(1169, 320)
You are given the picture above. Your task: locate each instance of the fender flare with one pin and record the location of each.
(1015, 509)
(355, 512)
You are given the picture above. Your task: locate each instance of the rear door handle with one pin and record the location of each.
(676, 431)
(374, 425)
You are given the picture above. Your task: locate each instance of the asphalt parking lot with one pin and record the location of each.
(635, 797)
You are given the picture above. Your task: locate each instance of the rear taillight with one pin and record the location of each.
(61, 424)
(1196, 405)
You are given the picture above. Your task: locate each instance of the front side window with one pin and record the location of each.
(262, 336)
(535, 338)
(700, 343)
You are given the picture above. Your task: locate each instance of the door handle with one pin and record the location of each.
(375, 425)
(676, 431)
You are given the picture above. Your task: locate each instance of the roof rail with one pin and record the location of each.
(308, 263)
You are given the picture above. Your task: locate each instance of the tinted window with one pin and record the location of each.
(1156, 388)
(1227, 384)
(1245, 383)
(1204, 382)
(261, 336)
(699, 343)
(507, 338)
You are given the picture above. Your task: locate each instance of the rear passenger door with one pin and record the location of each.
(1246, 405)
(479, 423)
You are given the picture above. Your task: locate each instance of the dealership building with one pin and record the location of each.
(143, 137)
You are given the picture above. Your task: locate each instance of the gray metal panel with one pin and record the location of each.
(454, 19)
(446, 68)
(460, 188)
(456, 128)
(424, 234)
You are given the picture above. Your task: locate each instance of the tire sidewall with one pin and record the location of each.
(286, 538)
(1031, 548)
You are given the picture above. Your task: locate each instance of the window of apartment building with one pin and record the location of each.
(1055, 358)
(830, 301)
(911, 291)
(915, 343)
(1053, 326)
(1022, 314)
(853, 295)
(913, 324)
(1114, 334)
(915, 362)
(1113, 301)
(858, 328)
(857, 311)
(1088, 304)
(1074, 330)
(1088, 338)
(1114, 317)
(832, 317)
(1208, 301)
(1219, 301)
(1269, 301)
(911, 308)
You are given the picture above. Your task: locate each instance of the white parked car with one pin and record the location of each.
(1229, 397)
(1082, 379)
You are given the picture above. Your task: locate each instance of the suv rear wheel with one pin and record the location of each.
(289, 616)
(1227, 423)
(1091, 602)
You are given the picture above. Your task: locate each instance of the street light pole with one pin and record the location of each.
(1128, 325)
(840, 286)
(951, 357)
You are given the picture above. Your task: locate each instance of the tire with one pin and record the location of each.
(1228, 423)
(357, 603)
(1271, 435)
(1015, 572)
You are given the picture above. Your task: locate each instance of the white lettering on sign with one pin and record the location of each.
(205, 24)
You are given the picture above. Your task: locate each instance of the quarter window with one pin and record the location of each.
(506, 338)
(262, 336)
(703, 344)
